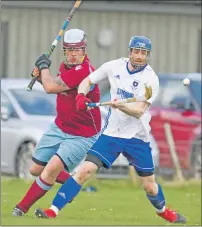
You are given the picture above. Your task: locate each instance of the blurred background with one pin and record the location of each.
(29, 27)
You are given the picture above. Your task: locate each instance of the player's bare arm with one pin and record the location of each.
(52, 84)
(135, 109)
(84, 86)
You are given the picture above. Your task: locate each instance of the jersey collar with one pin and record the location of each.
(136, 71)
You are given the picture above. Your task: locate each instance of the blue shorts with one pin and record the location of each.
(137, 152)
(71, 149)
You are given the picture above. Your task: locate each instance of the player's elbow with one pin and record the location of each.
(49, 89)
(138, 114)
(140, 109)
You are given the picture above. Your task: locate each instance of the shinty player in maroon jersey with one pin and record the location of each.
(68, 139)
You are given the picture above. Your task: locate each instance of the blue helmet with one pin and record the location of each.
(140, 42)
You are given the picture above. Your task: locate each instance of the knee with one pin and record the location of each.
(151, 188)
(85, 172)
(36, 170)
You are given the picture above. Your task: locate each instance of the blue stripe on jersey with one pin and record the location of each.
(92, 87)
(107, 121)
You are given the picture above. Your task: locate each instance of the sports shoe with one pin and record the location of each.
(45, 213)
(172, 216)
(17, 212)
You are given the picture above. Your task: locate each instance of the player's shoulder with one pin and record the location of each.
(149, 70)
(62, 65)
(85, 66)
(151, 75)
(116, 62)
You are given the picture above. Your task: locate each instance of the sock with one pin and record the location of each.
(55, 209)
(37, 190)
(62, 177)
(66, 193)
(158, 201)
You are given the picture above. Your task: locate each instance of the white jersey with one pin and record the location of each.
(126, 84)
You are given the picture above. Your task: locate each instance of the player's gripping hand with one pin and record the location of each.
(114, 103)
(81, 102)
(43, 62)
(36, 73)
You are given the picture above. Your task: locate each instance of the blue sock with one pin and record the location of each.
(157, 201)
(66, 193)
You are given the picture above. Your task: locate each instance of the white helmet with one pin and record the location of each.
(74, 38)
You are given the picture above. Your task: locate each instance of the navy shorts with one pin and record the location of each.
(137, 152)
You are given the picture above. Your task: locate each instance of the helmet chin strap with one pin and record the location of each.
(72, 65)
(137, 66)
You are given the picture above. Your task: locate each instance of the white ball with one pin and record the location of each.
(186, 82)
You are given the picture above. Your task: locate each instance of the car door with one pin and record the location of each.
(178, 110)
(157, 122)
(8, 134)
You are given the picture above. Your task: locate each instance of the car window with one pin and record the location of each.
(5, 102)
(173, 90)
(158, 100)
(35, 102)
(196, 88)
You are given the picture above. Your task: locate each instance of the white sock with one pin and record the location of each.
(55, 209)
(161, 210)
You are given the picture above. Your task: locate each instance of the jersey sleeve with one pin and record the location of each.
(154, 83)
(72, 78)
(100, 74)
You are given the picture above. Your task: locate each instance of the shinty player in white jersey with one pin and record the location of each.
(127, 131)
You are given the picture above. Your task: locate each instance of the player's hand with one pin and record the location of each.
(115, 103)
(81, 102)
(43, 62)
(36, 73)
(148, 92)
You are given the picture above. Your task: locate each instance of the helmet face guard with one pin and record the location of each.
(74, 47)
(139, 51)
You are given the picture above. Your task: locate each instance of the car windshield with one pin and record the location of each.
(196, 88)
(35, 102)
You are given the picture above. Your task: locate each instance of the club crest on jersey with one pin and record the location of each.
(78, 67)
(64, 93)
(135, 85)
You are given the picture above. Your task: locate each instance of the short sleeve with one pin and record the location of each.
(100, 74)
(154, 83)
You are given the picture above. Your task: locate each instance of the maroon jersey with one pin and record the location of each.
(69, 120)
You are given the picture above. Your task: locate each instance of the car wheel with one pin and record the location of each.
(196, 160)
(23, 160)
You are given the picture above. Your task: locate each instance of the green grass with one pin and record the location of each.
(116, 202)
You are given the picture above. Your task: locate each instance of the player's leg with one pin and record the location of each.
(46, 148)
(72, 150)
(140, 156)
(37, 169)
(155, 195)
(102, 153)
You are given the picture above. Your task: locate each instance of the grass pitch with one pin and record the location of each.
(116, 202)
